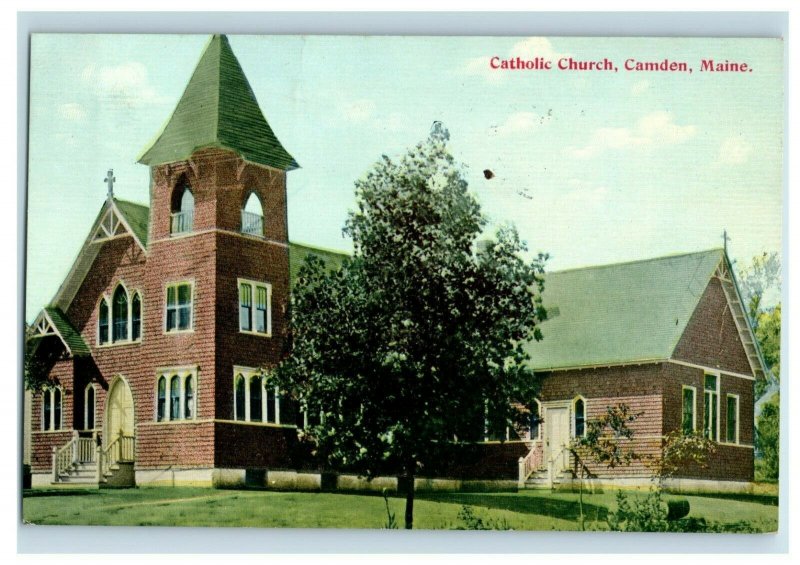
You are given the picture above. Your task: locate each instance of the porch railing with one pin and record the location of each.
(76, 450)
(181, 222)
(252, 224)
(119, 450)
(533, 461)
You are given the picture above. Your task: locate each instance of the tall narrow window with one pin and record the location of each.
(179, 307)
(239, 393)
(57, 409)
(136, 317)
(102, 323)
(245, 306)
(188, 396)
(120, 314)
(272, 405)
(162, 399)
(711, 407)
(580, 418)
(261, 309)
(182, 218)
(732, 419)
(255, 399)
(47, 400)
(687, 411)
(89, 408)
(253, 216)
(255, 318)
(175, 398)
(536, 420)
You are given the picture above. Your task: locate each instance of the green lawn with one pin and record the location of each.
(527, 510)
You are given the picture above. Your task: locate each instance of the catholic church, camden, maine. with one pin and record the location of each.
(154, 342)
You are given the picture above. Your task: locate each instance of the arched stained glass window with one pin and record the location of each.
(102, 323)
(580, 418)
(162, 399)
(136, 317)
(239, 393)
(120, 314)
(175, 398)
(188, 395)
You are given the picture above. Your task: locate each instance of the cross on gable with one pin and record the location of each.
(110, 178)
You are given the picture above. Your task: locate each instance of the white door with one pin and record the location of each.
(557, 436)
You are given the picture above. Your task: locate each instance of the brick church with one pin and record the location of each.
(154, 341)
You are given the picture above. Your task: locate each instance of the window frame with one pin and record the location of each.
(248, 374)
(113, 331)
(104, 302)
(254, 285)
(49, 395)
(183, 374)
(539, 421)
(87, 388)
(694, 407)
(176, 285)
(575, 401)
(731, 396)
(136, 294)
(707, 406)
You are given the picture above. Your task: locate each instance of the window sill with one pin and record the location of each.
(178, 332)
(120, 343)
(175, 422)
(180, 234)
(251, 332)
(52, 431)
(259, 424)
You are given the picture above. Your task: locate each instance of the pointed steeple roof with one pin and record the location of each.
(218, 109)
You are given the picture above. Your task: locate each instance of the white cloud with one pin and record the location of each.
(358, 111)
(126, 83)
(520, 122)
(640, 87)
(72, 111)
(526, 49)
(734, 151)
(653, 130)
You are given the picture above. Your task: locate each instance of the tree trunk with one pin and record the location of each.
(410, 503)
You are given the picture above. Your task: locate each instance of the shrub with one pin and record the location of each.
(471, 521)
(677, 509)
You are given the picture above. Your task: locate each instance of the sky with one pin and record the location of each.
(592, 167)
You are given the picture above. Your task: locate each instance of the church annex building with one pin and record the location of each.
(154, 341)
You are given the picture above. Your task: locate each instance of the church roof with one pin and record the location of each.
(137, 216)
(218, 109)
(298, 253)
(620, 313)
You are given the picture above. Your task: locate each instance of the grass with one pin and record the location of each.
(527, 510)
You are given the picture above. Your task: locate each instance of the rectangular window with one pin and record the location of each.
(175, 394)
(711, 407)
(255, 400)
(255, 315)
(688, 410)
(179, 307)
(245, 307)
(732, 419)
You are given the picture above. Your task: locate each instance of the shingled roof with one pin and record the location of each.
(620, 313)
(218, 109)
(137, 216)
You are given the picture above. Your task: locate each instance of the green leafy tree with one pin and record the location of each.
(603, 444)
(760, 283)
(420, 334)
(768, 437)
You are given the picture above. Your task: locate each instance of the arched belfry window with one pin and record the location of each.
(253, 216)
(120, 314)
(182, 217)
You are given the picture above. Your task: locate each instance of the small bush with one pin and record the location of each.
(677, 509)
(471, 521)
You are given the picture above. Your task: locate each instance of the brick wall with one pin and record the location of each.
(42, 442)
(255, 446)
(182, 445)
(729, 462)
